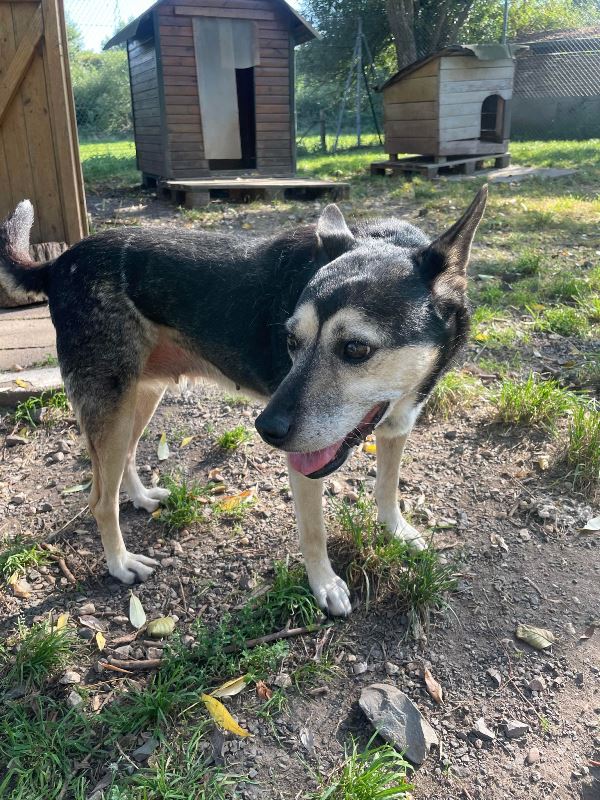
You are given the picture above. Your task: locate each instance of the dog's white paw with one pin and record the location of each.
(330, 591)
(399, 528)
(158, 493)
(127, 567)
(150, 499)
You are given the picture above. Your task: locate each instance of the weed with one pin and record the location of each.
(583, 449)
(564, 320)
(533, 402)
(454, 391)
(590, 306)
(18, 557)
(182, 507)
(565, 288)
(29, 411)
(49, 360)
(231, 440)
(528, 263)
(41, 651)
(375, 773)
(235, 400)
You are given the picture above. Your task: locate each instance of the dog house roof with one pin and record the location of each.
(302, 30)
(483, 52)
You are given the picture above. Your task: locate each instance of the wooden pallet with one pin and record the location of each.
(196, 193)
(432, 167)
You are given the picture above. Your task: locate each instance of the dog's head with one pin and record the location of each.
(372, 331)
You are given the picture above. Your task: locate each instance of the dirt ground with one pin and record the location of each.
(511, 526)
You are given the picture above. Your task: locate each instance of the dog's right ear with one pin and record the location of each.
(334, 236)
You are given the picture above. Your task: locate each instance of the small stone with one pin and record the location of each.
(495, 675)
(15, 441)
(17, 500)
(70, 677)
(146, 750)
(360, 667)
(335, 488)
(481, 729)
(533, 756)
(46, 507)
(85, 633)
(124, 651)
(154, 652)
(391, 669)
(524, 535)
(515, 729)
(74, 700)
(62, 446)
(537, 684)
(176, 548)
(451, 435)
(120, 619)
(167, 562)
(283, 680)
(55, 458)
(398, 720)
(86, 608)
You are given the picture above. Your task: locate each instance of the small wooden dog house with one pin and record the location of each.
(212, 84)
(453, 103)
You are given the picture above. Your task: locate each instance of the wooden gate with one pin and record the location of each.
(39, 156)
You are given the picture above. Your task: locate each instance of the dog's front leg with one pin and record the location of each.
(389, 454)
(330, 591)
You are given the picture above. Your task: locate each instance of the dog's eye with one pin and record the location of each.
(292, 342)
(357, 351)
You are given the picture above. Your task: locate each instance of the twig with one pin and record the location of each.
(185, 605)
(531, 583)
(66, 571)
(80, 513)
(126, 638)
(149, 663)
(286, 633)
(113, 668)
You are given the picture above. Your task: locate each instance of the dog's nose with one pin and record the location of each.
(273, 428)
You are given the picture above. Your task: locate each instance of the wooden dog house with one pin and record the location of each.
(212, 85)
(451, 106)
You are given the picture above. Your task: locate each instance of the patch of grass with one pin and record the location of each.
(528, 263)
(378, 564)
(590, 306)
(236, 400)
(533, 402)
(49, 360)
(231, 440)
(40, 743)
(583, 449)
(565, 288)
(109, 163)
(41, 651)
(28, 411)
(182, 507)
(18, 557)
(456, 390)
(375, 773)
(564, 320)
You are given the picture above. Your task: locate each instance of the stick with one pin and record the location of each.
(66, 571)
(128, 637)
(149, 663)
(286, 633)
(113, 668)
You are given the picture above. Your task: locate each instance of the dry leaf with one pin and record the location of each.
(263, 691)
(23, 384)
(160, 628)
(21, 588)
(215, 475)
(497, 541)
(137, 615)
(233, 501)
(186, 440)
(61, 621)
(232, 687)
(156, 514)
(543, 462)
(221, 716)
(540, 638)
(100, 640)
(80, 487)
(91, 622)
(592, 525)
(369, 447)
(433, 687)
(163, 448)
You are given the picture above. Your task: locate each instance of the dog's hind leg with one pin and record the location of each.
(147, 399)
(330, 591)
(389, 454)
(108, 440)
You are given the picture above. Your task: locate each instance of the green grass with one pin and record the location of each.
(231, 440)
(182, 507)
(372, 773)
(108, 164)
(41, 651)
(28, 411)
(455, 391)
(533, 402)
(564, 320)
(583, 449)
(18, 557)
(236, 400)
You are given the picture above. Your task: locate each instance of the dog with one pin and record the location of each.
(340, 331)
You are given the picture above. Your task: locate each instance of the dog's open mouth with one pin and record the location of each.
(319, 463)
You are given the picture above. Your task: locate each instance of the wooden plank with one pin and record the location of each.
(268, 89)
(184, 61)
(427, 70)
(224, 13)
(176, 110)
(460, 98)
(398, 112)
(183, 127)
(411, 145)
(177, 80)
(412, 90)
(272, 61)
(459, 110)
(272, 108)
(264, 118)
(483, 73)
(11, 80)
(471, 147)
(172, 69)
(491, 86)
(272, 72)
(165, 156)
(180, 51)
(188, 90)
(467, 132)
(422, 129)
(279, 134)
(448, 63)
(192, 137)
(464, 121)
(185, 38)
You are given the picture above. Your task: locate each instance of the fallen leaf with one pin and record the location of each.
(370, 448)
(497, 541)
(61, 621)
(186, 440)
(215, 475)
(221, 716)
(543, 462)
(80, 487)
(233, 501)
(307, 738)
(21, 588)
(540, 638)
(23, 384)
(91, 622)
(163, 448)
(592, 525)
(232, 687)
(156, 514)
(160, 628)
(263, 691)
(137, 615)
(433, 687)
(100, 640)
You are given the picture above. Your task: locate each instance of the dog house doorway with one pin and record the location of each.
(492, 118)
(226, 54)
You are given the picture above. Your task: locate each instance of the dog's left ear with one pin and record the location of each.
(444, 262)
(332, 232)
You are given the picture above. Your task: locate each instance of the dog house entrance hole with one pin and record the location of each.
(492, 118)
(244, 79)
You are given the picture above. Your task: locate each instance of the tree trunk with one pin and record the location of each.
(401, 17)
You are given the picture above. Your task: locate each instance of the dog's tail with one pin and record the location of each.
(20, 277)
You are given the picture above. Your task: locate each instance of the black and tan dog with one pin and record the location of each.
(342, 332)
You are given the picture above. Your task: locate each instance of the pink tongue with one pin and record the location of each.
(307, 463)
